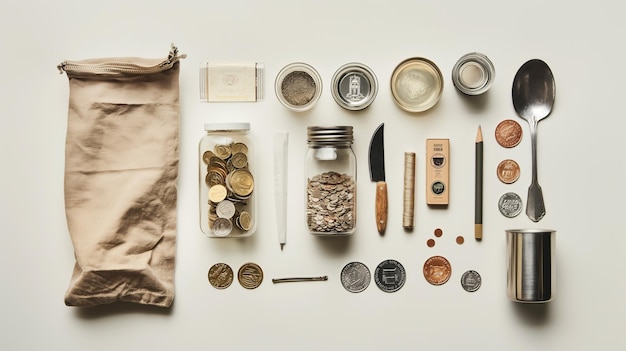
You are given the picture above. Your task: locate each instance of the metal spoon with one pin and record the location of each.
(533, 97)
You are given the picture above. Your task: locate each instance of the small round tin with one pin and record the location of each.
(416, 84)
(298, 86)
(354, 86)
(473, 73)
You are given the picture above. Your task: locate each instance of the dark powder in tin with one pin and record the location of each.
(298, 88)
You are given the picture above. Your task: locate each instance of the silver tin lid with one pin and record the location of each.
(473, 74)
(416, 84)
(298, 86)
(354, 86)
(330, 135)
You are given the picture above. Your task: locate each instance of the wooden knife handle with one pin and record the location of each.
(381, 206)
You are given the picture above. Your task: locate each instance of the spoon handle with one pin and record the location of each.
(535, 207)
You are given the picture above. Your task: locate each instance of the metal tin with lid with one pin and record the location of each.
(298, 86)
(354, 86)
(473, 74)
(416, 84)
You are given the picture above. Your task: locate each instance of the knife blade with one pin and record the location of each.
(377, 174)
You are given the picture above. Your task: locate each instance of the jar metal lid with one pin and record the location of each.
(416, 84)
(473, 74)
(330, 135)
(354, 86)
(298, 86)
(226, 126)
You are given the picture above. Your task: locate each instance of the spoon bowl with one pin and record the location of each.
(533, 95)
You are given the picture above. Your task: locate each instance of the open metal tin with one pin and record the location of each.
(416, 84)
(298, 86)
(354, 86)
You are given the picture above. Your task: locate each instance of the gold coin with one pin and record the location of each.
(222, 151)
(239, 160)
(206, 156)
(250, 275)
(239, 147)
(214, 178)
(508, 171)
(244, 221)
(437, 270)
(508, 133)
(241, 182)
(221, 275)
(217, 193)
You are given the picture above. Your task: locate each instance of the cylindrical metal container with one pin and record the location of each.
(531, 265)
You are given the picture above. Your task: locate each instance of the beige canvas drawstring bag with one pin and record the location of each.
(121, 170)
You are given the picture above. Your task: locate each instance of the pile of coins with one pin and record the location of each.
(230, 184)
(331, 203)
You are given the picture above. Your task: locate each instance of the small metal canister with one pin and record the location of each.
(473, 74)
(354, 86)
(530, 265)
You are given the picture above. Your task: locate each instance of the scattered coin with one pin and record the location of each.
(508, 171)
(430, 242)
(250, 275)
(437, 270)
(438, 232)
(471, 280)
(460, 240)
(390, 276)
(220, 275)
(355, 277)
(510, 205)
(508, 133)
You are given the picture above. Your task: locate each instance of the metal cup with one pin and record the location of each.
(530, 265)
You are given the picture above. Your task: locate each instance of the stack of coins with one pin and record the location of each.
(230, 184)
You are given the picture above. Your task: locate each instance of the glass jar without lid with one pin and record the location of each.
(227, 201)
(330, 171)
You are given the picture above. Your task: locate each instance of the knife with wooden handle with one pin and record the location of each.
(377, 174)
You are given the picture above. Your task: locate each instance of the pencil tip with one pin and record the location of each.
(281, 246)
(479, 134)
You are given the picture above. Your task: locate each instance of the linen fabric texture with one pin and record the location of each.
(121, 171)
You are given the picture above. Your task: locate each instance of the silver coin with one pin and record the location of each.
(470, 281)
(510, 205)
(222, 227)
(355, 277)
(390, 276)
(225, 209)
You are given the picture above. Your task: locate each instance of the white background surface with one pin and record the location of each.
(581, 169)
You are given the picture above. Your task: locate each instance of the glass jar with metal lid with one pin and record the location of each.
(226, 167)
(330, 171)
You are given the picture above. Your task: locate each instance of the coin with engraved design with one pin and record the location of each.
(250, 275)
(355, 277)
(221, 275)
(471, 280)
(437, 270)
(508, 171)
(510, 205)
(508, 133)
(390, 276)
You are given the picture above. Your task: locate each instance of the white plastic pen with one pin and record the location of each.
(281, 140)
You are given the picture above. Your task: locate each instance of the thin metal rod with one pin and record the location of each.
(299, 279)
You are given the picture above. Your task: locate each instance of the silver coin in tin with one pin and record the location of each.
(354, 86)
(510, 205)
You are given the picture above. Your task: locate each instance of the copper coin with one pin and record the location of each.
(430, 242)
(508, 171)
(508, 133)
(220, 275)
(250, 275)
(460, 240)
(437, 270)
(438, 232)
